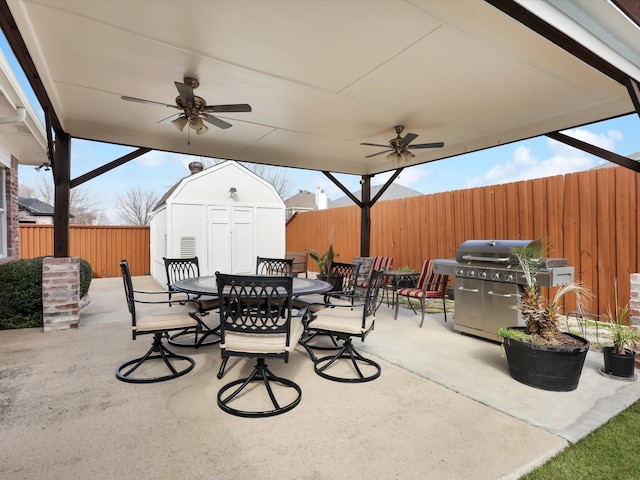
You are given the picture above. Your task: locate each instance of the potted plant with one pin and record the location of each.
(323, 261)
(406, 282)
(539, 354)
(619, 358)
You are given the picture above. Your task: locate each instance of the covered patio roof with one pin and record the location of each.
(322, 77)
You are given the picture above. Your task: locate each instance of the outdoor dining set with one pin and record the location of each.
(262, 316)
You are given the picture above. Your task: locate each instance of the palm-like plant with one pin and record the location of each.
(323, 260)
(541, 315)
(623, 335)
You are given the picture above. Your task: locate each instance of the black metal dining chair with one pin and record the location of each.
(274, 266)
(257, 322)
(159, 363)
(343, 277)
(206, 332)
(344, 322)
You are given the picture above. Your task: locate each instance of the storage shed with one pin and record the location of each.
(225, 215)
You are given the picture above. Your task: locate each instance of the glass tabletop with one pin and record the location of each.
(207, 286)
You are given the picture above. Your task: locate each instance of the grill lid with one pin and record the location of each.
(493, 251)
(499, 253)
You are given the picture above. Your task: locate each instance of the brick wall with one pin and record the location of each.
(634, 299)
(13, 232)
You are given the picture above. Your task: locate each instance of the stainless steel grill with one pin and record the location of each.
(488, 283)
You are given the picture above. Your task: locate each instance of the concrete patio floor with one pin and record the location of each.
(444, 407)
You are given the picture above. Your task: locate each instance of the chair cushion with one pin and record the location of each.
(419, 293)
(164, 317)
(206, 304)
(340, 319)
(264, 343)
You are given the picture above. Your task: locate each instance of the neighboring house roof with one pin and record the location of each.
(394, 192)
(303, 200)
(35, 207)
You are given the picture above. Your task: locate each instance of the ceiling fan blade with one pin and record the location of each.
(427, 145)
(408, 138)
(375, 145)
(379, 153)
(150, 102)
(236, 107)
(218, 122)
(186, 93)
(170, 118)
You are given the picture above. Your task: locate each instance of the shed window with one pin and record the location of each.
(187, 247)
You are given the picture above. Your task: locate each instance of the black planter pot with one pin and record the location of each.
(336, 280)
(619, 365)
(556, 369)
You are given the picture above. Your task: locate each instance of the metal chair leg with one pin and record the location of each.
(260, 373)
(157, 352)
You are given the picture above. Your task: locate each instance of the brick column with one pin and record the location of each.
(13, 231)
(60, 293)
(634, 306)
(634, 299)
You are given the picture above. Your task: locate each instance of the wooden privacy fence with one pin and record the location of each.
(102, 246)
(589, 217)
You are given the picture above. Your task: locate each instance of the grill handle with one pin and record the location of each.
(485, 259)
(473, 290)
(505, 295)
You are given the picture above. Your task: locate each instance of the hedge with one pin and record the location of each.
(21, 292)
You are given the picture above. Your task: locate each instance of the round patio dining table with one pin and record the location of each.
(207, 286)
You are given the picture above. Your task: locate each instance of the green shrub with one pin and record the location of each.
(21, 292)
(85, 277)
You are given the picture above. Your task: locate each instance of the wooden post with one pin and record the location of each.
(61, 182)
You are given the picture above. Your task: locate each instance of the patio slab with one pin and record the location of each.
(444, 407)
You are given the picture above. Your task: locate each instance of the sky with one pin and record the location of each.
(539, 157)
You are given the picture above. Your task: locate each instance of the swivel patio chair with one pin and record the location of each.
(274, 266)
(429, 286)
(205, 333)
(257, 322)
(345, 322)
(159, 363)
(344, 276)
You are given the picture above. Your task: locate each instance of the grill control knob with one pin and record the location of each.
(495, 276)
(482, 275)
(508, 277)
(470, 273)
(460, 272)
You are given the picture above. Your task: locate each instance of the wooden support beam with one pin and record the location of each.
(61, 185)
(109, 166)
(597, 151)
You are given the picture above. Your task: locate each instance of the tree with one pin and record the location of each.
(84, 206)
(134, 206)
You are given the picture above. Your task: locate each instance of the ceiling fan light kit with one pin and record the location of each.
(398, 148)
(195, 110)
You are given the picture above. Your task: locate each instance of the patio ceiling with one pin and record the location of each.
(324, 76)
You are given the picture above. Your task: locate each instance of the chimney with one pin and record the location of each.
(321, 199)
(196, 167)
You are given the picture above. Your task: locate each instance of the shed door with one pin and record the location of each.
(231, 240)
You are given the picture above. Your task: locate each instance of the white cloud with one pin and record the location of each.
(524, 165)
(153, 159)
